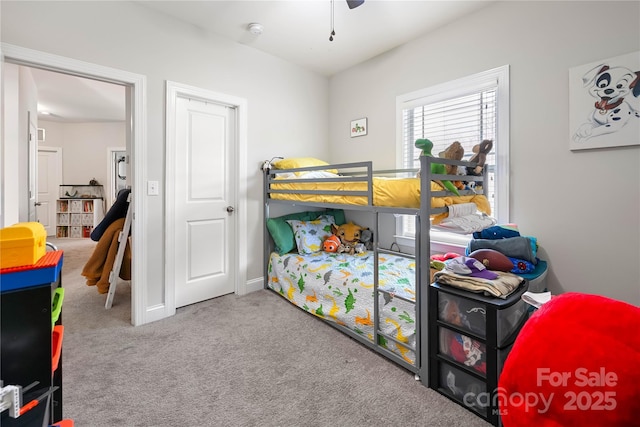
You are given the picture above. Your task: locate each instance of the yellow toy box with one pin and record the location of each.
(21, 244)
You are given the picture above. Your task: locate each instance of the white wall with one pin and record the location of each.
(84, 148)
(588, 226)
(584, 207)
(27, 115)
(19, 91)
(10, 141)
(287, 105)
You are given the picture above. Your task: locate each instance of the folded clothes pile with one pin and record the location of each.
(496, 262)
(522, 251)
(470, 274)
(464, 218)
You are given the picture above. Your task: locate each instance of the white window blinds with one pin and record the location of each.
(467, 110)
(467, 119)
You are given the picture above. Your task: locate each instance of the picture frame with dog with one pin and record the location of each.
(604, 103)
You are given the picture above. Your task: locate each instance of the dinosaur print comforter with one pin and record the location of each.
(339, 289)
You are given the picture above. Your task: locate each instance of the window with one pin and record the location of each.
(468, 110)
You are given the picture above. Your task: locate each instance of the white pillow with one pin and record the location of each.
(310, 235)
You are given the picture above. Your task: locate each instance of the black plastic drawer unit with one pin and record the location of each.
(470, 336)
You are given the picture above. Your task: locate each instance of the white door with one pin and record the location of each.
(49, 179)
(204, 218)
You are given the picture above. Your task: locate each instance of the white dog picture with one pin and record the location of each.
(605, 103)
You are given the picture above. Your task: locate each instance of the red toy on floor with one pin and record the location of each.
(576, 362)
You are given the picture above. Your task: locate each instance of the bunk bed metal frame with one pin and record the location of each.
(363, 172)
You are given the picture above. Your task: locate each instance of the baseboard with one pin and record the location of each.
(155, 313)
(254, 285)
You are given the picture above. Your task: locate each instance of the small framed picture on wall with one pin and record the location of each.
(359, 127)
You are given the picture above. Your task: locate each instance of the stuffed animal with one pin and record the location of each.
(437, 168)
(366, 239)
(350, 236)
(331, 244)
(455, 151)
(481, 151)
(348, 233)
(346, 248)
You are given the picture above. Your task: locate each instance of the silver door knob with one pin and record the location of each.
(230, 209)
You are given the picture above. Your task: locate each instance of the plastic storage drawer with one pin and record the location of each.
(466, 389)
(470, 315)
(463, 349)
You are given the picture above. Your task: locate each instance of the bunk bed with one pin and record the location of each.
(378, 297)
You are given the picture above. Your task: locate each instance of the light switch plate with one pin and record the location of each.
(152, 188)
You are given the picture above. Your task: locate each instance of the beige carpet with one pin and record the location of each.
(231, 361)
(81, 301)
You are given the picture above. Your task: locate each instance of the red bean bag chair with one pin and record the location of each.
(576, 362)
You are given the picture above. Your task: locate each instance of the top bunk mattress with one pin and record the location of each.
(388, 192)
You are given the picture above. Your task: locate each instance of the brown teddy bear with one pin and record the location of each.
(455, 151)
(481, 151)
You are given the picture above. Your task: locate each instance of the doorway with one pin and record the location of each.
(136, 143)
(204, 213)
(49, 180)
(206, 137)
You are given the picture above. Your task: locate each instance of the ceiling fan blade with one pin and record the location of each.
(354, 3)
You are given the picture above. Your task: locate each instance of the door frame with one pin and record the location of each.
(239, 185)
(111, 198)
(32, 167)
(136, 104)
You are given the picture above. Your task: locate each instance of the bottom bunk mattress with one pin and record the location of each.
(340, 288)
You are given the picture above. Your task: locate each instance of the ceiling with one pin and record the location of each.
(294, 30)
(298, 30)
(72, 99)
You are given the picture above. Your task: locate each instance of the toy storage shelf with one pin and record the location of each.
(76, 218)
(31, 325)
(470, 336)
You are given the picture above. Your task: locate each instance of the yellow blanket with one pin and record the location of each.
(391, 192)
(100, 264)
